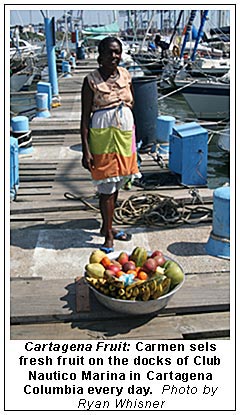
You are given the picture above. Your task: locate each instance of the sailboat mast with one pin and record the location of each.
(188, 29)
(176, 27)
(203, 20)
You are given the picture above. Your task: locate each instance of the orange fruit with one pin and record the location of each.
(142, 275)
(132, 271)
(105, 261)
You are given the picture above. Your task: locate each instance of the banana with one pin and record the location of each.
(146, 294)
(129, 292)
(139, 290)
(121, 292)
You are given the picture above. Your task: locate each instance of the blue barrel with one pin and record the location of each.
(20, 131)
(219, 240)
(221, 212)
(45, 88)
(81, 52)
(14, 168)
(66, 69)
(165, 124)
(145, 109)
(42, 105)
(63, 54)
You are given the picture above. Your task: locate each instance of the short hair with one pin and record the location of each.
(104, 44)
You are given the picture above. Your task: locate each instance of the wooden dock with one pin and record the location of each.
(52, 237)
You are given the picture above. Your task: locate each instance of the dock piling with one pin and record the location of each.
(219, 240)
(42, 105)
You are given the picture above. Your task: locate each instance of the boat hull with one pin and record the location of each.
(207, 101)
(17, 81)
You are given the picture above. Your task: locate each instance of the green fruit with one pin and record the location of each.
(139, 256)
(173, 271)
(96, 256)
(167, 263)
(95, 270)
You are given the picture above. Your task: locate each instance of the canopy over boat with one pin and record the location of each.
(110, 29)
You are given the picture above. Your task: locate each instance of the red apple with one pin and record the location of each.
(123, 258)
(150, 265)
(114, 262)
(113, 268)
(130, 265)
(160, 260)
(156, 253)
(108, 273)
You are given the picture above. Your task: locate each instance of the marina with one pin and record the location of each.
(55, 222)
(52, 237)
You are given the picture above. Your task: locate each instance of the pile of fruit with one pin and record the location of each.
(138, 276)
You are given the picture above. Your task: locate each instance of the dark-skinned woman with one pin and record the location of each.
(108, 134)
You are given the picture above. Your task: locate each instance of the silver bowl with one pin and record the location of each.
(135, 307)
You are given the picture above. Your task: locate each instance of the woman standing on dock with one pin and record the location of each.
(108, 133)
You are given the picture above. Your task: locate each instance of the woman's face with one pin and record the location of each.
(111, 57)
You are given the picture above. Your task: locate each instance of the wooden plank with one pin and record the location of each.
(30, 169)
(33, 192)
(37, 166)
(21, 207)
(59, 202)
(35, 187)
(50, 218)
(207, 326)
(54, 298)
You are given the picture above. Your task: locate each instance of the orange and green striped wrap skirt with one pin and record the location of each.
(112, 143)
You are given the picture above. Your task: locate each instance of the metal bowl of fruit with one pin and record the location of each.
(140, 282)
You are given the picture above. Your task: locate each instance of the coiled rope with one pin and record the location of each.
(156, 210)
(70, 196)
(149, 209)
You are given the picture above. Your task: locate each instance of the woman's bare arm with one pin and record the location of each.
(87, 99)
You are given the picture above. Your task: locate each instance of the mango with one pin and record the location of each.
(123, 257)
(139, 256)
(96, 256)
(174, 272)
(95, 270)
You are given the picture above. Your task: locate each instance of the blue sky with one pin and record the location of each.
(90, 17)
(23, 17)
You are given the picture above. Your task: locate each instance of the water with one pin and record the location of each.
(218, 171)
(23, 105)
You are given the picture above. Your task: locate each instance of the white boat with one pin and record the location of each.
(209, 66)
(23, 77)
(23, 48)
(203, 50)
(208, 98)
(133, 68)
